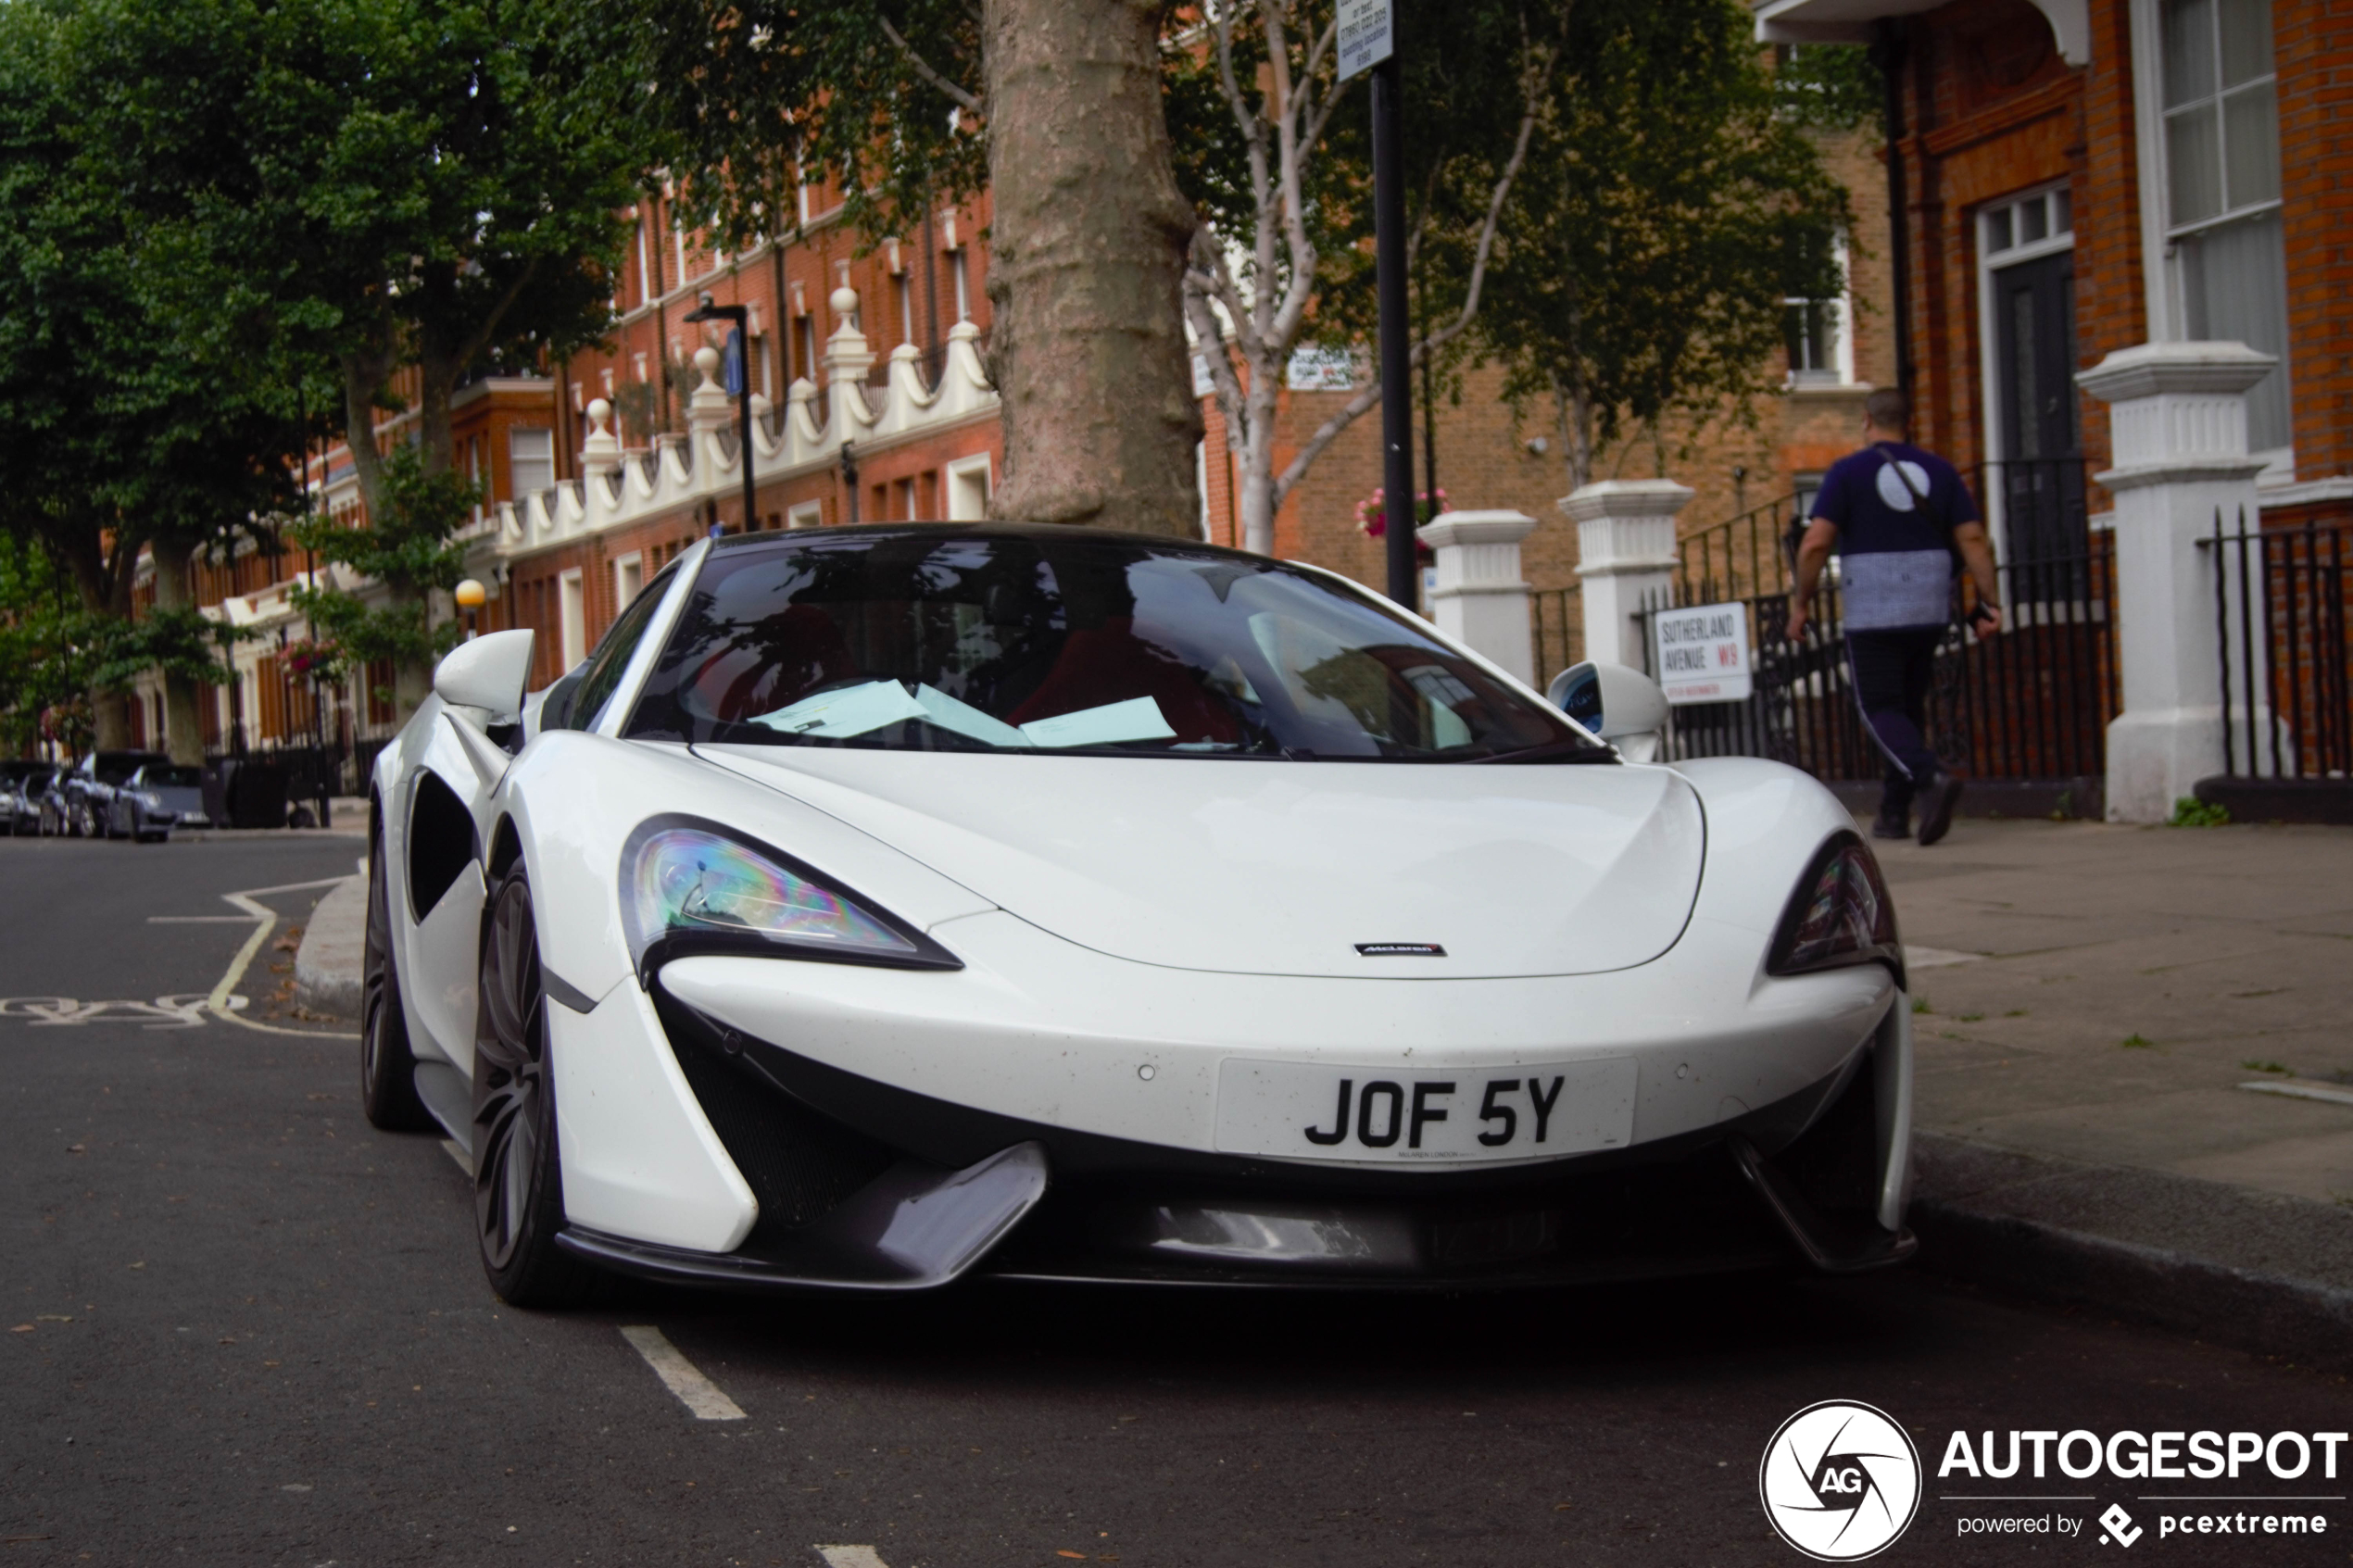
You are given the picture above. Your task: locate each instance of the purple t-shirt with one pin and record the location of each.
(1894, 507)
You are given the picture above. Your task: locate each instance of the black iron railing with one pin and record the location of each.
(2280, 625)
(2032, 702)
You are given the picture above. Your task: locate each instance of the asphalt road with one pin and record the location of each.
(240, 1326)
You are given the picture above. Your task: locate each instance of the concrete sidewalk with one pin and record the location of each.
(2094, 997)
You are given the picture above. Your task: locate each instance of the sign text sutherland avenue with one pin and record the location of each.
(1702, 653)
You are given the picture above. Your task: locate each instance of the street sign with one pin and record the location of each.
(1702, 653)
(1367, 35)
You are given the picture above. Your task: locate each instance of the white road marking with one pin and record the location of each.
(164, 1012)
(681, 1376)
(1935, 958)
(450, 1146)
(2302, 1091)
(199, 919)
(265, 920)
(851, 1557)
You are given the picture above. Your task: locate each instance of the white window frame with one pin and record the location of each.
(2160, 270)
(515, 460)
(964, 476)
(808, 514)
(571, 617)
(1840, 371)
(628, 580)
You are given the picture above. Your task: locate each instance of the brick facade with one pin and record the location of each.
(1991, 110)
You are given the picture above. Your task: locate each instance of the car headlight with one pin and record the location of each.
(690, 887)
(153, 802)
(1840, 916)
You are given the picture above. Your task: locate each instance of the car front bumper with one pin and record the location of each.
(1771, 1123)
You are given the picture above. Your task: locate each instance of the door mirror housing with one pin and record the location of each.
(487, 673)
(1615, 701)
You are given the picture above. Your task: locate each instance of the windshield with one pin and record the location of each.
(1058, 640)
(156, 777)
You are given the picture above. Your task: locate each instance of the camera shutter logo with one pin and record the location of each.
(1841, 1481)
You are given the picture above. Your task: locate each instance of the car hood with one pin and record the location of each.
(1285, 867)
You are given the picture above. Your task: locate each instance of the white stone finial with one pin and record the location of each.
(845, 301)
(710, 409)
(600, 454)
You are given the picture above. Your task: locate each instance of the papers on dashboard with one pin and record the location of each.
(857, 710)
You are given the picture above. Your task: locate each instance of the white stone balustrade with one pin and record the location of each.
(685, 471)
(1625, 559)
(2177, 422)
(1481, 597)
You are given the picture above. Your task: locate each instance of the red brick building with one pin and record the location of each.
(2076, 177)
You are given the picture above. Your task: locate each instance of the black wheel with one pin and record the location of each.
(387, 1071)
(519, 1195)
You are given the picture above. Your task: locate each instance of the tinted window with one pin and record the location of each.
(173, 778)
(1063, 640)
(113, 767)
(605, 666)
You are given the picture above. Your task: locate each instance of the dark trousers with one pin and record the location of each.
(1893, 672)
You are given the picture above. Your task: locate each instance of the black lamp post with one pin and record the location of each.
(741, 316)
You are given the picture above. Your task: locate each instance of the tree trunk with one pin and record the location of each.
(104, 587)
(182, 718)
(1090, 235)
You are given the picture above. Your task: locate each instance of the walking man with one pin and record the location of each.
(1900, 517)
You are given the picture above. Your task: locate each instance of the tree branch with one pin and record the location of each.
(1534, 82)
(923, 69)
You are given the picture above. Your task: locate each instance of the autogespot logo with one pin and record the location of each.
(1841, 1481)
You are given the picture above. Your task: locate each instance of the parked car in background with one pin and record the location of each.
(156, 798)
(90, 790)
(45, 795)
(16, 816)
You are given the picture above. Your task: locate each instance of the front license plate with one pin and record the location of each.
(1385, 1114)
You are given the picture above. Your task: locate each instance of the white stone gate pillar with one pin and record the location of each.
(1625, 553)
(2177, 422)
(1481, 597)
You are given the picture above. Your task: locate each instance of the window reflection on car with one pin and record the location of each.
(1061, 641)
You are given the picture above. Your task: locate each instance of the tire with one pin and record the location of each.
(387, 1069)
(519, 1195)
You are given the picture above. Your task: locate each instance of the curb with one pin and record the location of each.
(2259, 1272)
(327, 965)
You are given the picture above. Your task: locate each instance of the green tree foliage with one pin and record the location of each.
(1674, 200)
(408, 547)
(1274, 151)
(147, 387)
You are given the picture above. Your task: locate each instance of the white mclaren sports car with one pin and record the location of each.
(879, 905)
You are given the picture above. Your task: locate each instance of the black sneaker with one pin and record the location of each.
(1936, 813)
(1893, 822)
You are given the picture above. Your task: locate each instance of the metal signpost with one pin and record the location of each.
(1368, 42)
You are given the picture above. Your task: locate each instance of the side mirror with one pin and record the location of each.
(1615, 701)
(488, 673)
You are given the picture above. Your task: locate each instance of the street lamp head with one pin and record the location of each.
(470, 595)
